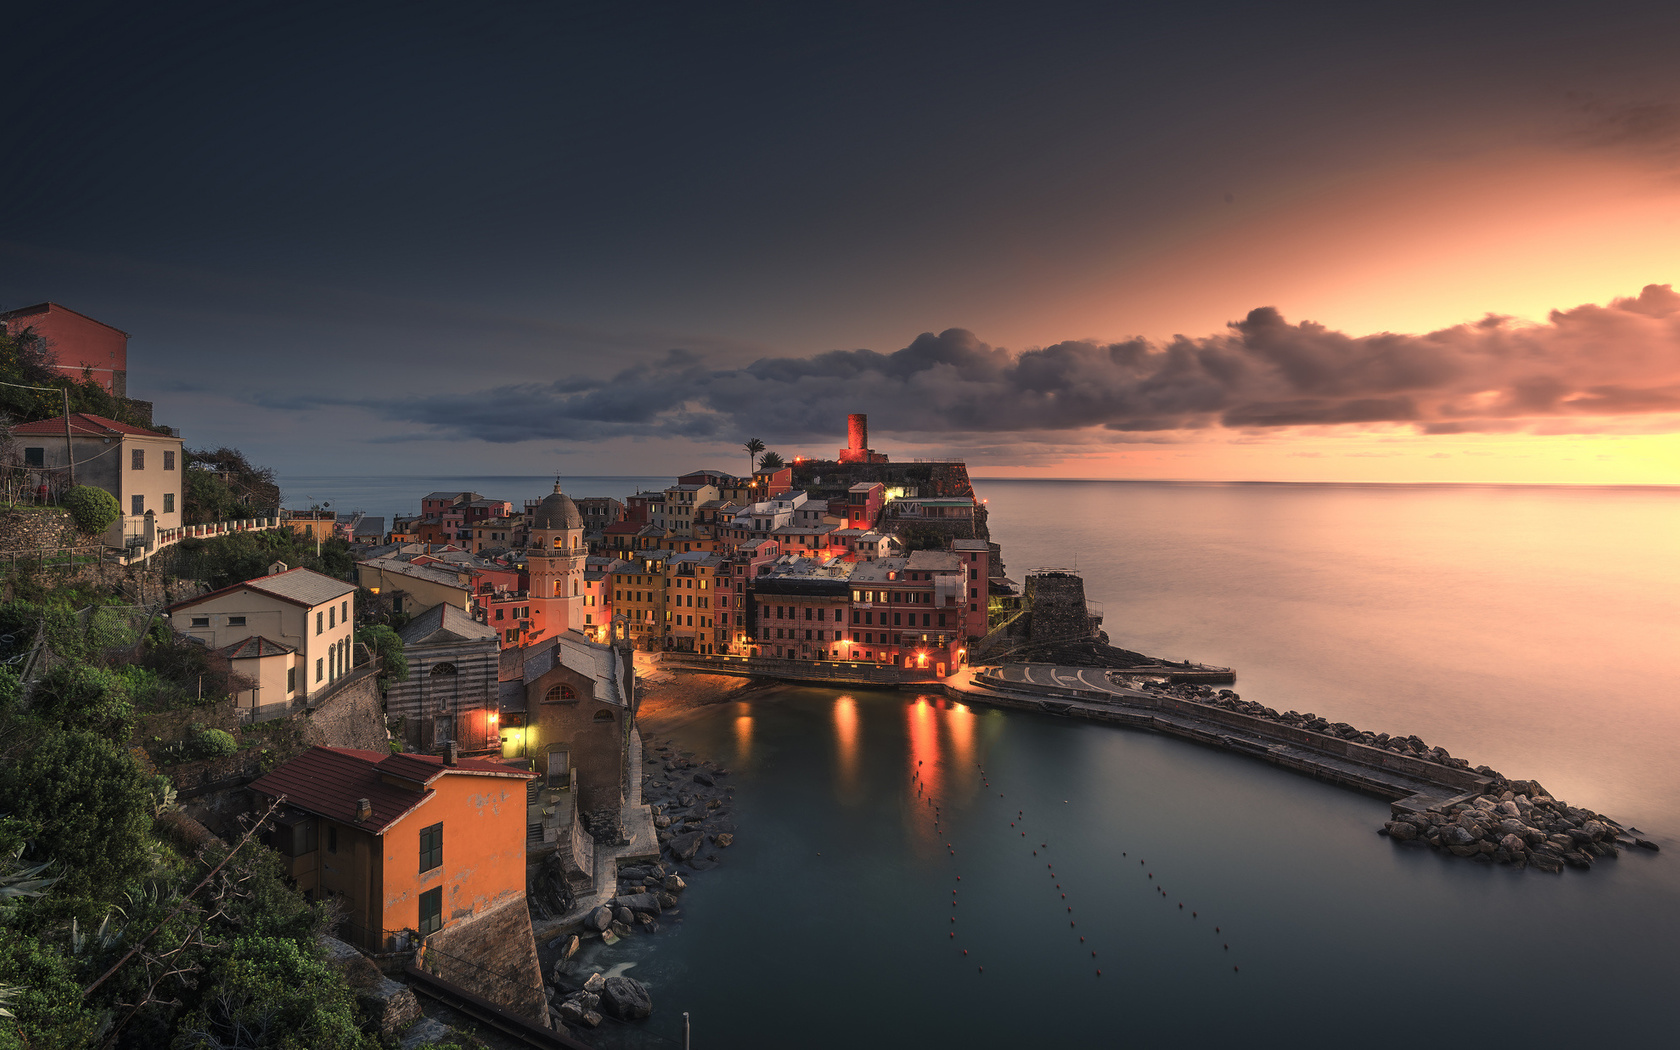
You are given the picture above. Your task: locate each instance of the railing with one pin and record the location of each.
(808, 670)
(169, 537)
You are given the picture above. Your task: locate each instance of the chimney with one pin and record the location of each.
(451, 754)
(364, 809)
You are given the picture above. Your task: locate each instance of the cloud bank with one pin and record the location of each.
(1581, 370)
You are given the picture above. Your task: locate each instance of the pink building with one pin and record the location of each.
(79, 344)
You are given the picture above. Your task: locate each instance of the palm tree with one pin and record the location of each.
(753, 446)
(771, 461)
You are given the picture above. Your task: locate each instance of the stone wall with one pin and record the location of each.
(494, 956)
(1058, 607)
(27, 531)
(351, 716)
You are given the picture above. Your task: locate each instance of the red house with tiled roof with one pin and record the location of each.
(412, 846)
(141, 468)
(79, 345)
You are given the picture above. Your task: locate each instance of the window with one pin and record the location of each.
(557, 693)
(441, 669)
(34, 457)
(169, 502)
(332, 839)
(320, 622)
(320, 668)
(169, 461)
(499, 613)
(137, 459)
(603, 715)
(431, 911)
(236, 621)
(512, 633)
(431, 848)
(201, 621)
(137, 505)
(291, 679)
(344, 610)
(332, 617)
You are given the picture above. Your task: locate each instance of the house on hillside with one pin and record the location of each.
(420, 848)
(140, 467)
(79, 345)
(304, 617)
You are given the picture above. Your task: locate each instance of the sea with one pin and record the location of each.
(915, 872)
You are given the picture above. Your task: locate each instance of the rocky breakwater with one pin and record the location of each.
(646, 900)
(1523, 826)
(1514, 822)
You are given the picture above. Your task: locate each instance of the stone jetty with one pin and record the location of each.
(1437, 799)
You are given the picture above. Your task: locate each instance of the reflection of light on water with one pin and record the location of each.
(961, 722)
(924, 748)
(743, 736)
(845, 735)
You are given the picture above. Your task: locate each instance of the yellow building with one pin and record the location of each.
(639, 589)
(691, 601)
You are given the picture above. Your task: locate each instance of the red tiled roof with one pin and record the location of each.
(427, 768)
(327, 781)
(85, 423)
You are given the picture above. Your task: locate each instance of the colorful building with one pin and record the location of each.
(79, 345)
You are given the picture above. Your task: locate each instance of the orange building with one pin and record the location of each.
(405, 842)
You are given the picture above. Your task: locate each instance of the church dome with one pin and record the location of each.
(556, 512)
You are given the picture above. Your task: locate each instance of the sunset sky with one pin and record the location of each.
(1216, 241)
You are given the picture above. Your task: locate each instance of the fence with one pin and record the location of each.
(163, 538)
(265, 712)
(55, 557)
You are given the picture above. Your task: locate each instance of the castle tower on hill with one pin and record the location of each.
(857, 448)
(555, 557)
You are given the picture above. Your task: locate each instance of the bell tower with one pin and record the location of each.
(554, 557)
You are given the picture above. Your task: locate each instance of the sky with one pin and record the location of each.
(1279, 241)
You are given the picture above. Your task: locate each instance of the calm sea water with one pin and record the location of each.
(1534, 629)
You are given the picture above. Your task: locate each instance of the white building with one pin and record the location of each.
(306, 615)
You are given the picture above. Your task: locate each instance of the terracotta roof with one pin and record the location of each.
(84, 423)
(327, 781)
(255, 646)
(304, 587)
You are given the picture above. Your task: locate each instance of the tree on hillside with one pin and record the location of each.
(770, 461)
(753, 446)
(222, 485)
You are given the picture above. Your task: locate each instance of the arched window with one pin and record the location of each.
(603, 715)
(443, 669)
(559, 543)
(557, 693)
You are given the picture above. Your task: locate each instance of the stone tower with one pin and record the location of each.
(554, 556)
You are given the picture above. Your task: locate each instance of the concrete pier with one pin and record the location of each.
(1409, 784)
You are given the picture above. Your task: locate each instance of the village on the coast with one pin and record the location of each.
(452, 752)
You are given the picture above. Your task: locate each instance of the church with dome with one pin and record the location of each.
(555, 555)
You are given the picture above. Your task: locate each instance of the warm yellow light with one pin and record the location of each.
(494, 718)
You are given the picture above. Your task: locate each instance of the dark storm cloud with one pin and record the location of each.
(1262, 373)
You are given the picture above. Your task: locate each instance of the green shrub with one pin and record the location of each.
(388, 644)
(94, 509)
(213, 743)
